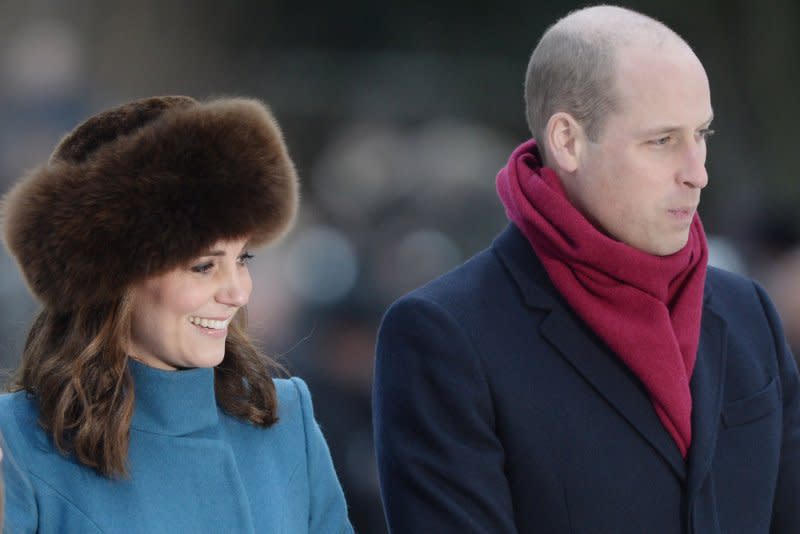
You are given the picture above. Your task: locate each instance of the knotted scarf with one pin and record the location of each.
(646, 308)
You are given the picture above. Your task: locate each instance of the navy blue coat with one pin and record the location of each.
(498, 410)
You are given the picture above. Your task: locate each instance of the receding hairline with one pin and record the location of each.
(575, 65)
(617, 26)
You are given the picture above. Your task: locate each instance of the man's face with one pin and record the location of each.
(640, 182)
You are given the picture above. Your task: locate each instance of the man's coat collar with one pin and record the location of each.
(609, 376)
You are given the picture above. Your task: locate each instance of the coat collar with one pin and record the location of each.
(609, 376)
(173, 403)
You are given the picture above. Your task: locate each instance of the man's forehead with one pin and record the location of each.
(647, 77)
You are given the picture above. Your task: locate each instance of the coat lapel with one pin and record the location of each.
(707, 392)
(587, 353)
(612, 380)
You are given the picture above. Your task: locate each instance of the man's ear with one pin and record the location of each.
(565, 140)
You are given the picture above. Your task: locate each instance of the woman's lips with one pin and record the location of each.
(212, 332)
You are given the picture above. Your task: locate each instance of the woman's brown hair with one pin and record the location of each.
(75, 366)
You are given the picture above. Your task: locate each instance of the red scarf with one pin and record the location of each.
(646, 308)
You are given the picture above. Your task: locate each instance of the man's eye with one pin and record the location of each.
(202, 267)
(706, 133)
(244, 258)
(661, 140)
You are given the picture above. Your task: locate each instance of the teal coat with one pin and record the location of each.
(193, 468)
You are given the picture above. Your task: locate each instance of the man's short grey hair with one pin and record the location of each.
(568, 72)
(573, 67)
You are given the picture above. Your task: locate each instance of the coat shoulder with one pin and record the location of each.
(722, 282)
(465, 285)
(293, 397)
(19, 422)
(741, 300)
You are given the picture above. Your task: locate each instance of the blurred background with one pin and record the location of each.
(398, 116)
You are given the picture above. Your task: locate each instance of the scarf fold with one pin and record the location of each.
(646, 308)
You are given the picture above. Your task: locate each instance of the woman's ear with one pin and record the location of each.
(564, 140)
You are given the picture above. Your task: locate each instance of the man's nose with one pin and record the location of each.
(693, 169)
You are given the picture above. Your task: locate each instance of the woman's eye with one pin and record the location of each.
(203, 267)
(244, 258)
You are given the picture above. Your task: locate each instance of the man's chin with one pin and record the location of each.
(670, 247)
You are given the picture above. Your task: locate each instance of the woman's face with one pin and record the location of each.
(180, 318)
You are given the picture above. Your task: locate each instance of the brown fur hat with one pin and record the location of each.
(145, 187)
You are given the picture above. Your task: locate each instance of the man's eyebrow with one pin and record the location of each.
(665, 129)
(669, 128)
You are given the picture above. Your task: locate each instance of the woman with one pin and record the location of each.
(2, 492)
(140, 404)
(17, 483)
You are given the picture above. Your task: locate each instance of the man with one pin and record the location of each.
(588, 373)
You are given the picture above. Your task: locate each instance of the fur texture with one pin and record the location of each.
(143, 188)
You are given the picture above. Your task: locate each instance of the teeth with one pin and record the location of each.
(209, 323)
